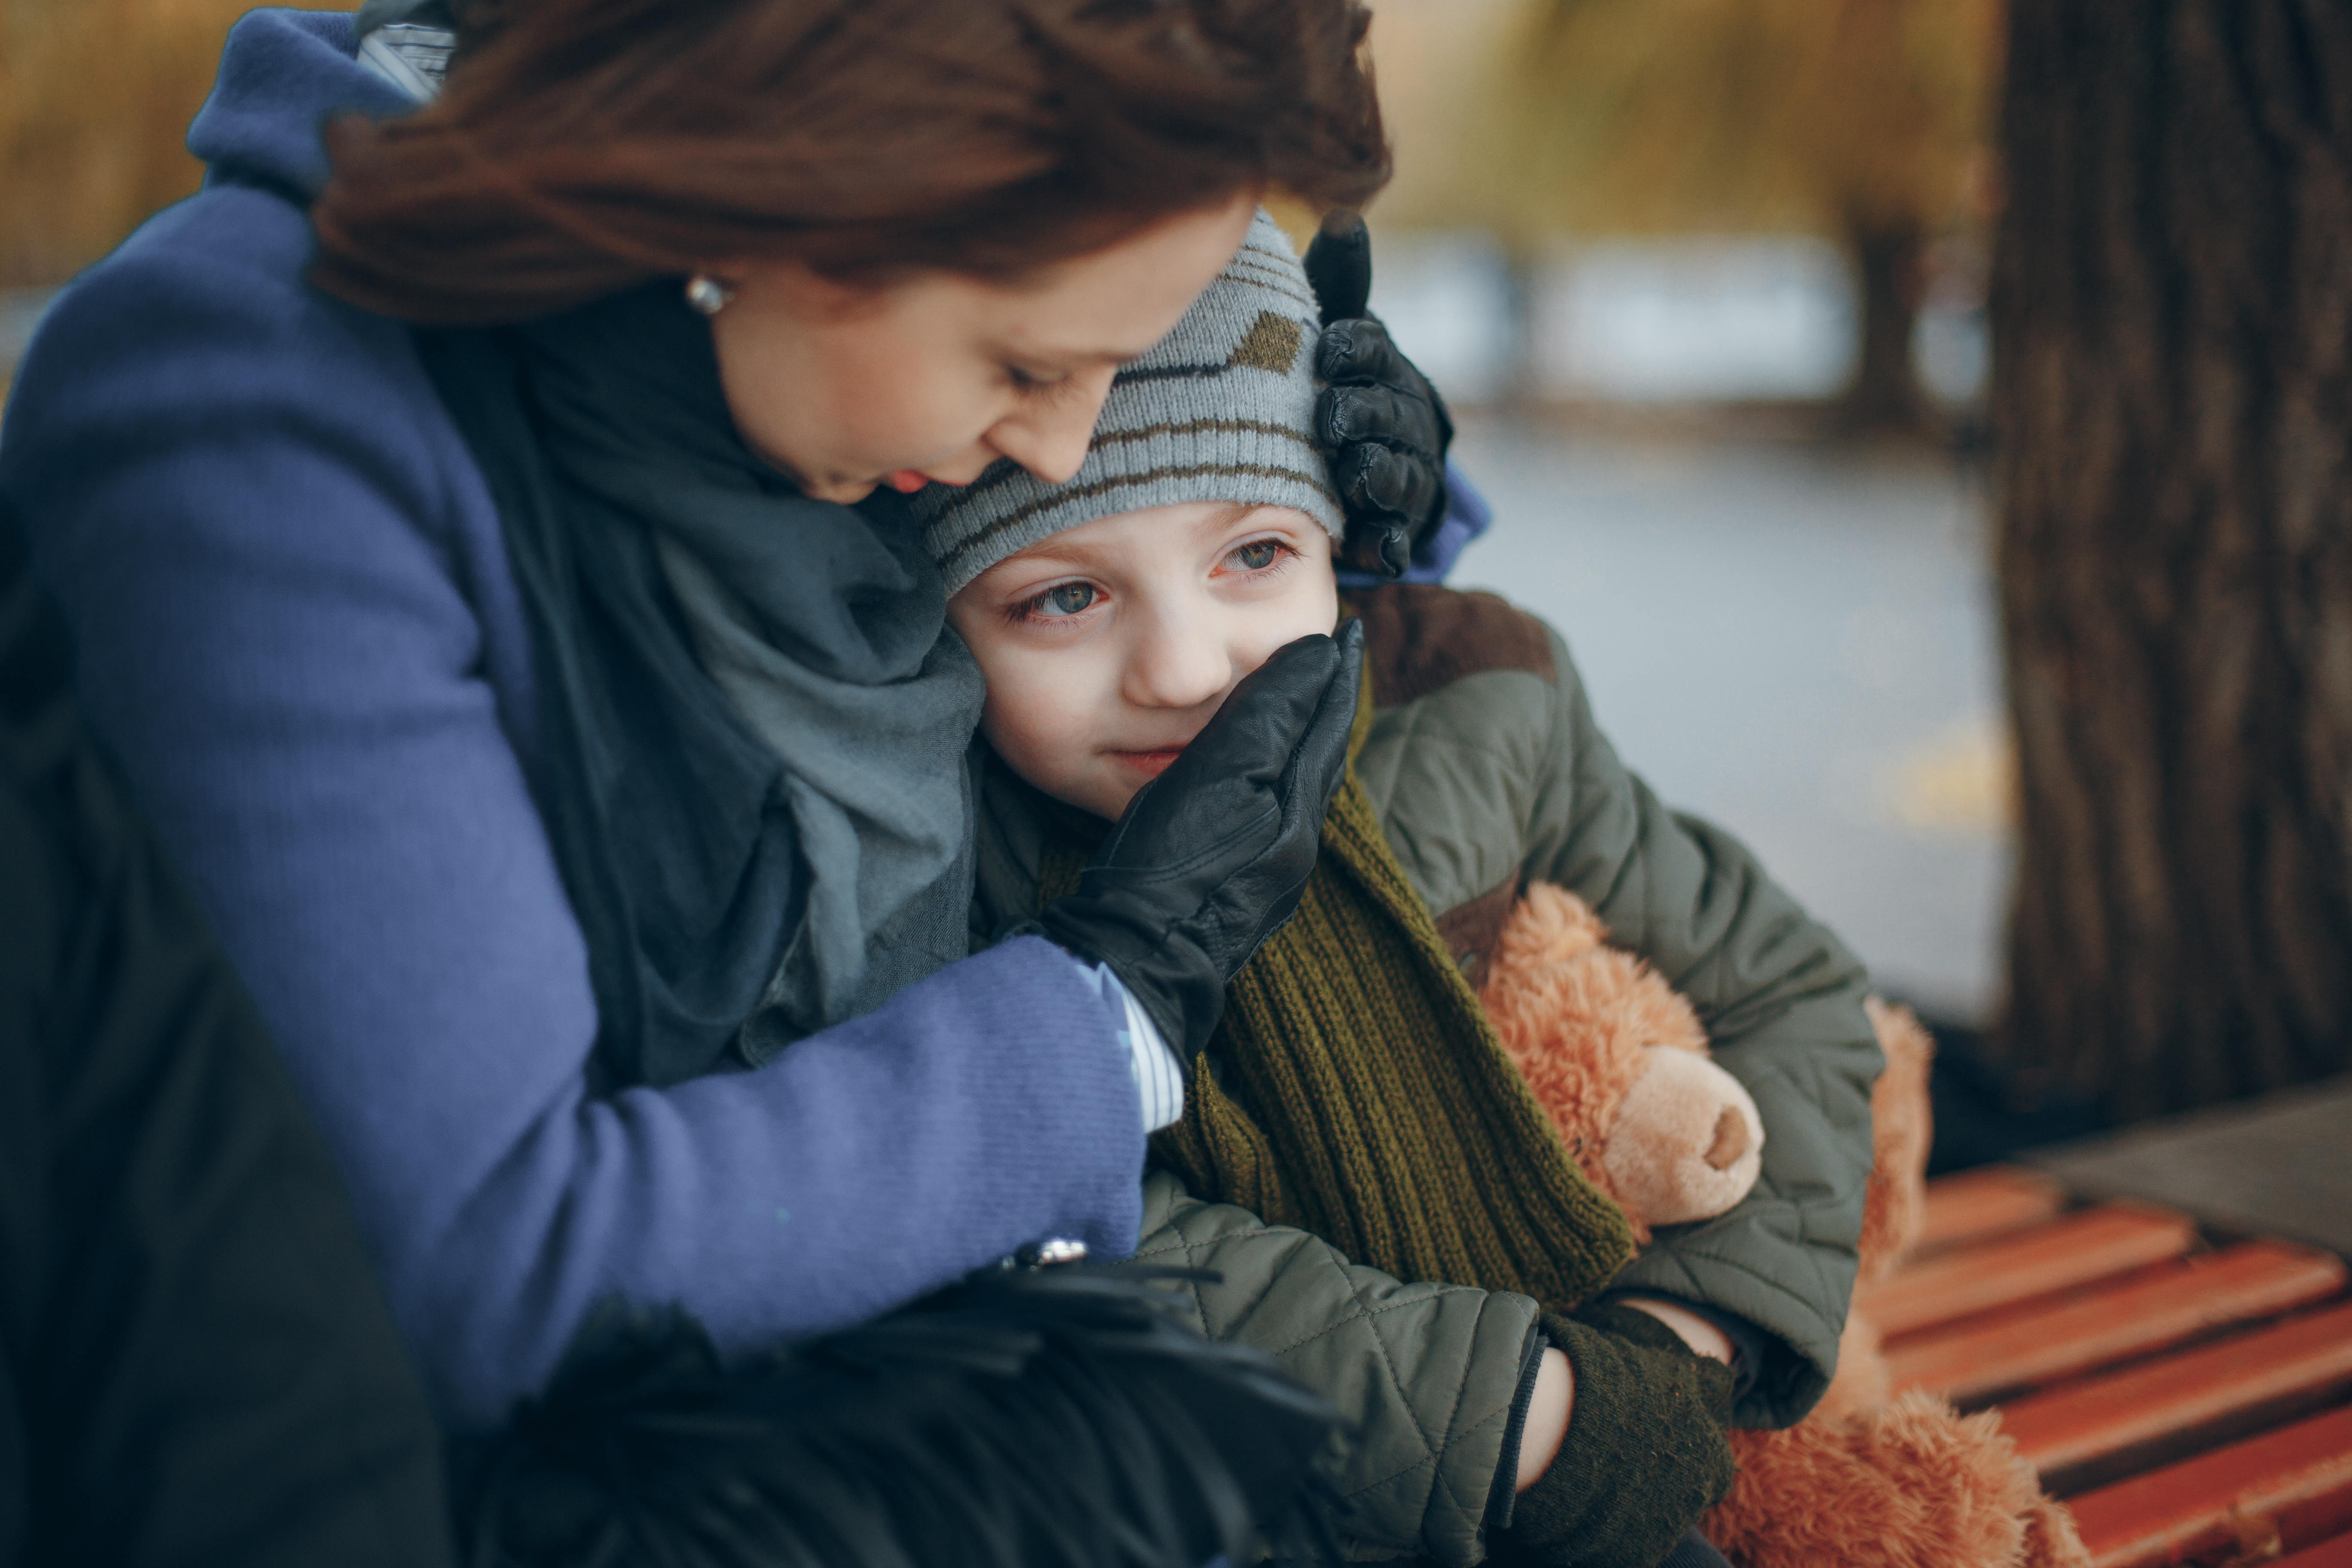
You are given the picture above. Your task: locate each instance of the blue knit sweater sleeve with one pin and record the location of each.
(296, 626)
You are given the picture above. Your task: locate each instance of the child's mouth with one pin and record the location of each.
(1151, 764)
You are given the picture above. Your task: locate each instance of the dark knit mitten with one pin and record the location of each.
(1695, 1551)
(1644, 1455)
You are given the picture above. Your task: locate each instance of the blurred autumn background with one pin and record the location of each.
(95, 96)
(1844, 143)
(1715, 286)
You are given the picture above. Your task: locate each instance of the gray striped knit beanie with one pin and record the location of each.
(1221, 408)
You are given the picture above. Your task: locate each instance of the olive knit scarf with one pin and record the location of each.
(1356, 1090)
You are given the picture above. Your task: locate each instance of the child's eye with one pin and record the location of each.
(1257, 554)
(1060, 599)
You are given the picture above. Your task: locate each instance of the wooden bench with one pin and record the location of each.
(2188, 1395)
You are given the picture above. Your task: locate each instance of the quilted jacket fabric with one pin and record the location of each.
(1487, 772)
(1426, 1373)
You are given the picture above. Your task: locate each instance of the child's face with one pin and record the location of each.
(1108, 647)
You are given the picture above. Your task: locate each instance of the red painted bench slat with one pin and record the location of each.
(2179, 1393)
(2163, 1516)
(1974, 1205)
(2102, 1323)
(2323, 1518)
(2071, 1250)
(2336, 1554)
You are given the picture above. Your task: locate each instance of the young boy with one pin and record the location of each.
(1353, 1090)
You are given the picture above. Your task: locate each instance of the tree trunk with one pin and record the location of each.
(1883, 395)
(2172, 397)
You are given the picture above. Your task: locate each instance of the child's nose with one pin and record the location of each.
(1178, 663)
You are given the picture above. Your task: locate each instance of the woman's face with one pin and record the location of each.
(932, 379)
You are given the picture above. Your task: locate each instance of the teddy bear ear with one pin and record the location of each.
(1575, 919)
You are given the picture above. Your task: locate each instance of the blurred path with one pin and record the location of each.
(2274, 1164)
(1797, 643)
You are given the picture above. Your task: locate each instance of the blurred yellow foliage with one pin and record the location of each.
(1525, 116)
(95, 100)
(1439, 64)
(1833, 116)
(1962, 780)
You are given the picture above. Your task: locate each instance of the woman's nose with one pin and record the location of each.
(1050, 441)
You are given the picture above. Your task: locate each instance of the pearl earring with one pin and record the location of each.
(706, 294)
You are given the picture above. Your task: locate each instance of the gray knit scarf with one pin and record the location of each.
(875, 775)
(752, 719)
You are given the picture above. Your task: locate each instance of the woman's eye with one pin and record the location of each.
(1063, 599)
(1029, 380)
(1256, 555)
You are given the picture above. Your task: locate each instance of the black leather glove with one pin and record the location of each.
(1210, 857)
(1381, 423)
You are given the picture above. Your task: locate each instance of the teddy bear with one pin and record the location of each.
(1619, 1062)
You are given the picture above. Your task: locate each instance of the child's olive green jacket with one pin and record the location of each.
(1488, 773)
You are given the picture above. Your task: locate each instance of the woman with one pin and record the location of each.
(401, 635)
(195, 1364)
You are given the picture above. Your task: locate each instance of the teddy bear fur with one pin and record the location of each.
(1584, 1023)
(1869, 1479)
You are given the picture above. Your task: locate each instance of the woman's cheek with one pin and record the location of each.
(931, 420)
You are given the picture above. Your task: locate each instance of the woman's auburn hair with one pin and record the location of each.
(585, 146)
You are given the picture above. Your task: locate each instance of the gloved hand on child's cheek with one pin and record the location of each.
(1380, 421)
(1645, 1455)
(1209, 858)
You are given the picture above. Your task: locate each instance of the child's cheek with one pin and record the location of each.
(1325, 590)
(1025, 721)
(1311, 606)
